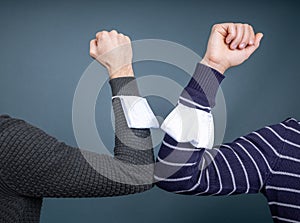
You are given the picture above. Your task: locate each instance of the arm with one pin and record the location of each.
(242, 166)
(265, 161)
(237, 167)
(35, 164)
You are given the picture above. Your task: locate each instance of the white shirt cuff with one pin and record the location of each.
(185, 124)
(137, 112)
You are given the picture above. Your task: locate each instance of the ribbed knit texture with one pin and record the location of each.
(124, 86)
(266, 161)
(34, 165)
(203, 86)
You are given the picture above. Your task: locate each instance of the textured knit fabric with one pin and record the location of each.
(266, 161)
(34, 165)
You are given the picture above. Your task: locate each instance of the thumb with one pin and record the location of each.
(251, 49)
(258, 38)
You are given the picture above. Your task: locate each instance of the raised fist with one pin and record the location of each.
(113, 50)
(230, 44)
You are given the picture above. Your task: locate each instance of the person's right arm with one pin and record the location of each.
(238, 167)
(242, 166)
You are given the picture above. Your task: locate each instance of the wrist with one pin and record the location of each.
(217, 66)
(125, 71)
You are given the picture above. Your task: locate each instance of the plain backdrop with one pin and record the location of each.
(44, 51)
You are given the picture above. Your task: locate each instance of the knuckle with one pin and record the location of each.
(98, 34)
(114, 32)
(251, 29)
(248, 27)
(215, 27)
(127, 38)
(102, 35)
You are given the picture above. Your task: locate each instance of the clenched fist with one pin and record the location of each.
(113, 50)
(230, 44)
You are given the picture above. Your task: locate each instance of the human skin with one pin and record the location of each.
(113, 50)
(229, 45)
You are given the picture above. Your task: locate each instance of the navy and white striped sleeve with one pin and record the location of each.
(238, 167)
(266, 160)
(233, 168)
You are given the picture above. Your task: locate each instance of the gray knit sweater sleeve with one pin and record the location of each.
(34, 164)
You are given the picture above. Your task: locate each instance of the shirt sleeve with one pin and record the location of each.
(36, 164)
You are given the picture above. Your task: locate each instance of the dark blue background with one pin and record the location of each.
(44, 51)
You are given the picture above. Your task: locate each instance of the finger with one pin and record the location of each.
(113, 35)
(125, 40)
(251, 49)
(231, 29)
(258, 38)
(93, 48)
(252, 36)
(239, 35)
(246, 37)
(122, 39)
(101, 36)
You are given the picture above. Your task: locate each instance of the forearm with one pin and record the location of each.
(179, 162)
(225, 49)
(132, 145)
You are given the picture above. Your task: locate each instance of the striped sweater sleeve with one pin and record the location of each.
(257, 162)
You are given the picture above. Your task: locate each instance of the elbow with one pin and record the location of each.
(180, 186)
(160, 178)
(166, 186)
(175, 182)
(144, 188)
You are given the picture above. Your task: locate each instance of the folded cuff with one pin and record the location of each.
(137, 112)
(189, 125)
